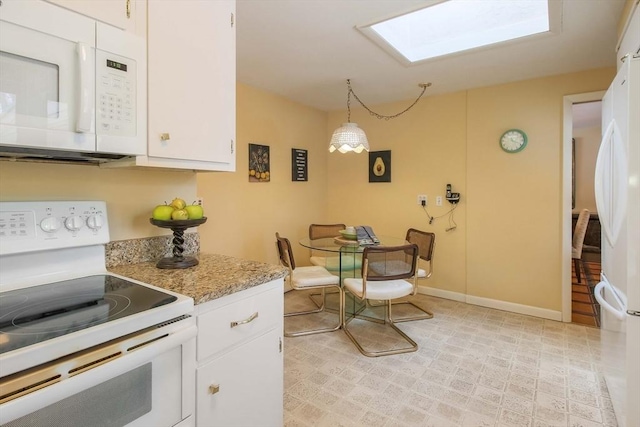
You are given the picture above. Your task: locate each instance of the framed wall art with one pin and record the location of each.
(299, 165)
(259, 165)
(380, 166)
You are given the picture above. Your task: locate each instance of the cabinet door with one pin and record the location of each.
(631, 39)
(191, 54)
(250, 381)
(119, 13)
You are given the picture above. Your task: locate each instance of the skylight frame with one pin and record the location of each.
(555, 26)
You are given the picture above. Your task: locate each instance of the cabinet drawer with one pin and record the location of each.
(238, 321)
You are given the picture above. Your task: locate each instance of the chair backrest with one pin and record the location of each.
(389, 262)
(284, 252)
(579, 233)
(425, 241)
(323, 231)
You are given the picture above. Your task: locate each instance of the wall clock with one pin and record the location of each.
(513, 140)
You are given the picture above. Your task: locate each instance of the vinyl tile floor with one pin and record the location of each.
(475, 366)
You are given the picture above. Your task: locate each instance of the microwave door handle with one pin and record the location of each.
(85, 92)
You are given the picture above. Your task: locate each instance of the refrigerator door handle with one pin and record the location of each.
(611, 180)
(618, 313)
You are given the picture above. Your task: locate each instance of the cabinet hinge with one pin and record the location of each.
(128, 9)
(280, 344)
(232, 146)
(232, 20)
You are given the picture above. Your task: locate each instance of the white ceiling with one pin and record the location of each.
(305, 50)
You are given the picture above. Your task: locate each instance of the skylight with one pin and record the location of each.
(454, 26)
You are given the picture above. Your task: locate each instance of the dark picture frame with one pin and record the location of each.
(259, 163)
(299, 165)
(380, 166)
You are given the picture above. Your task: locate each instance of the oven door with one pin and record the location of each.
(47, 77)
(139, 381)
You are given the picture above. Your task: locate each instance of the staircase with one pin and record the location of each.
(584, 307)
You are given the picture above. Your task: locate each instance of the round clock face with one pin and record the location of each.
(513, 140)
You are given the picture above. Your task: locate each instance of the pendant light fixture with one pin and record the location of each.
(349, 137)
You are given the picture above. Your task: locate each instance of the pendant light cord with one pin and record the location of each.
(424, 87)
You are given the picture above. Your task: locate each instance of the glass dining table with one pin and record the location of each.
(343, 258)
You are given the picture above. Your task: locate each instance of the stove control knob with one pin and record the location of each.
(50, 224)
(95, 222)
(73, 223)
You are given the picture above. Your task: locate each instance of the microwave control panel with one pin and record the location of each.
(115, 94)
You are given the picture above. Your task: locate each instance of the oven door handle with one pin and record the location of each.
(68, 387)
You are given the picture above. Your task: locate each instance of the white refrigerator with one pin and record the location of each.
(617, 188)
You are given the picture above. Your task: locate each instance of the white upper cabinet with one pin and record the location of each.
(630, 43)
(119, 13)
(191, 78)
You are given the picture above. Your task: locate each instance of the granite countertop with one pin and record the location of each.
(214, 277)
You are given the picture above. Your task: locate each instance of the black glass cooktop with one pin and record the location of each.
(39, 313)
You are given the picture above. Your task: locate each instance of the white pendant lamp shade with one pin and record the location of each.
(349, 137)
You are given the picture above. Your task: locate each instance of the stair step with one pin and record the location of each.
(582, 297)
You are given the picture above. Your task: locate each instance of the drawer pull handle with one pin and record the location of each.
(245, 321)
(214, 388)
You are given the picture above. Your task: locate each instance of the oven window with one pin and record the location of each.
(113, 403)
(28, 88)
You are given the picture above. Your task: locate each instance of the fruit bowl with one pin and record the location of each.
(186, 223)
(349, 236)
(178, 226)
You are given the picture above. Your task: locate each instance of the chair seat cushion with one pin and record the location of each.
(382, 290)
(309, 276)
(422, 272)
(332, 263)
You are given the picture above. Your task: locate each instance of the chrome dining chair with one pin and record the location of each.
(426, 242)
(306, 278)
(388, 273)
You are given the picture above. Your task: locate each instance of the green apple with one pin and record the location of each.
(195, 211)
(180, 214)
(178, 203)
(162, 212)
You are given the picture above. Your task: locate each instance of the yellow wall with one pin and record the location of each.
(130, 194)
(507, 245)
(244, 216)
(428, 150)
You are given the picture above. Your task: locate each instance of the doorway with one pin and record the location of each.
(587, 131)
(581, 140)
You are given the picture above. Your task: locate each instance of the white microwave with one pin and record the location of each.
(69, 85)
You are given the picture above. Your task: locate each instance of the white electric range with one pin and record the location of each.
(78, 345)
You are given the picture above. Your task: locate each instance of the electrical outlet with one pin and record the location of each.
(438, 200)
(422, 198)
(199, 201)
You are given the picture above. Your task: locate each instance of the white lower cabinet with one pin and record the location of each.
(239, 379)
(238, 388)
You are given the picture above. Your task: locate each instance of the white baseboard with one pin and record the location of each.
(492, 303)
(441, 293)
